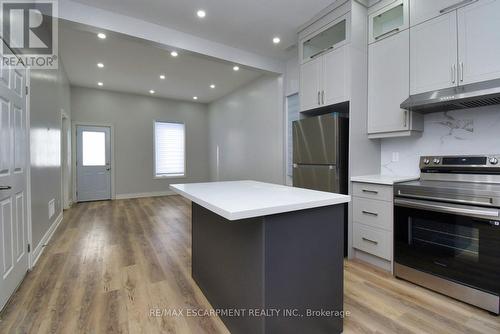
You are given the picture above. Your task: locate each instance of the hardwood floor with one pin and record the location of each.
(111, 263)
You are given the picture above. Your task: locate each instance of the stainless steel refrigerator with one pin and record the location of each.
(320, 153)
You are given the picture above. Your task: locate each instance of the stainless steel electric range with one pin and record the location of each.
(447, 228)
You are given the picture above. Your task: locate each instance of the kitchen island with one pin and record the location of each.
(269, 258)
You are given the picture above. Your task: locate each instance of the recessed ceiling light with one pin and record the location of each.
(162, 76)
(101, 35)
(100, 84)
(195, 97)
(236, 68)
(151, 91)
(174, 54)
(276, 40)
(212, 86)
(100, 65)
(201, 13)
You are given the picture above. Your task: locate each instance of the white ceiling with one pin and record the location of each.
(245, 24)
(134, 66)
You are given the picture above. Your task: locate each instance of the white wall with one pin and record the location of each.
(470, 131)
(132, 117)
(248, 128)
(49, 97)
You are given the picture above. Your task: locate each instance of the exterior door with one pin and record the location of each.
(479, 41)
(334, 76)
(310, 74)
(388, 83)
(13, 196)
(433, 54)
(93, 165)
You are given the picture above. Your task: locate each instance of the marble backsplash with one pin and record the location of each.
(469, 131)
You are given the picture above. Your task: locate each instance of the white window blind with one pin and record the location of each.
(170, 155)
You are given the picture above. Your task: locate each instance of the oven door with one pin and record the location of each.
(456, 242)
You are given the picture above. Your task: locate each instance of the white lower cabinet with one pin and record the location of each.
(373, 216)
(372, 240)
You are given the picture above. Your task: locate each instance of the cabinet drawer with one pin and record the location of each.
(373, 241)
(373, 191)
(373, 212)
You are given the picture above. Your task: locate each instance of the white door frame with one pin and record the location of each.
(64, 136)
(31, 259)
(74, 155)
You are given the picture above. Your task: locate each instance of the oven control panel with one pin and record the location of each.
(466, 161)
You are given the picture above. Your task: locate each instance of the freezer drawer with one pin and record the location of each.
(323, 178)
(316, 140)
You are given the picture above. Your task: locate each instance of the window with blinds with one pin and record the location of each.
(170, 149)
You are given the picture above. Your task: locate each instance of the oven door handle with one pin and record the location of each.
(460, 210)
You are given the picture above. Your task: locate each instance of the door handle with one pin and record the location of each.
(5, 187)
(370, 213)
(459, 4)
(387, 33)
(370, 241)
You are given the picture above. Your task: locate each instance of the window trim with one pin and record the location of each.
(169, 176)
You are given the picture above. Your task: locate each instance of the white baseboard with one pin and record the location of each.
(140, 195)
(38, 250)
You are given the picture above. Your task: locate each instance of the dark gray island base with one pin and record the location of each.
(291, 262)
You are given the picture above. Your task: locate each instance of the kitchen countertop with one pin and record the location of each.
(235, 200)
(383, 179)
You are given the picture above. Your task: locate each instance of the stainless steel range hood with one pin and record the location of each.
(474, 95)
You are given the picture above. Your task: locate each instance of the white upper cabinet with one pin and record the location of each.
(433, 54)
(335, 79)
(388, 21)
(423, 10)
(310, 84)
(479, 41)
(334, 35)
(388, 84)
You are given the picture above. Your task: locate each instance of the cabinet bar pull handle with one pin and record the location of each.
(5, 187)
(453, 73)
(319, 103)
(458, 4)
(387, 33)
(406, 118)
(370, 241)
(461, 71)
(322, 97)
(370, 191)
(370, 213)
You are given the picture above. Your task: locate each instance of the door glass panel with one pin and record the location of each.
(93, 148)
(325, 40)
(388, 21)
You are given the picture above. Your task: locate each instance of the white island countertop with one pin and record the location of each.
(235, 200)
(384, 179)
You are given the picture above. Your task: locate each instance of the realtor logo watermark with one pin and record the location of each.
(30, 33)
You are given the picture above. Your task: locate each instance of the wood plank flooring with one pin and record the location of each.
(111, 263)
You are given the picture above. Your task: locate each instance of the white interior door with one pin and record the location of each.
(13, 195)
(93, 165)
